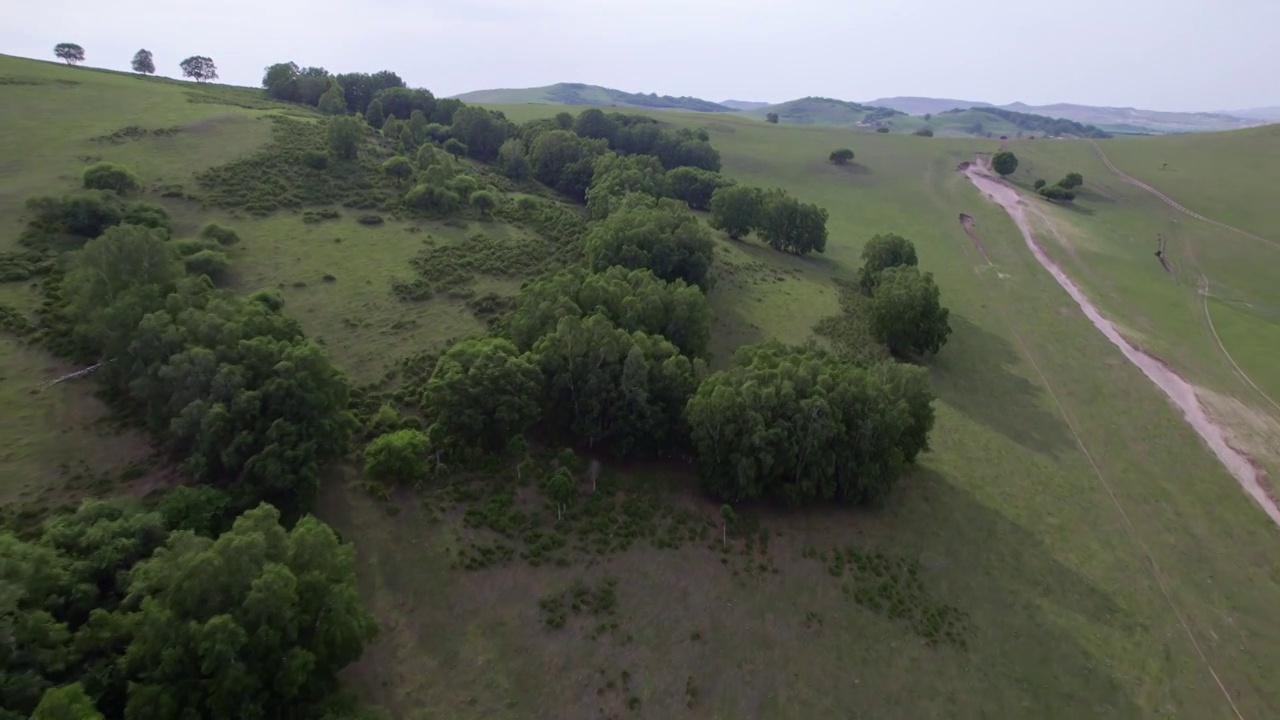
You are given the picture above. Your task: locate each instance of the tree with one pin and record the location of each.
(332, 102)
(455, 148)
(905, 312)
(483, 392)
(593, 123)
(735, 209)
(512, 160)
(790, 225)
(662, 235)
(771, 118)
(432, 199)
(883, 129)
(727, 518)
(1072, 181)
(924, 132)
(695, 186)
(397, 458)
(68, 702)
(374, 115)
(1038, 184)
(798, 424)
(143, 62)
(614, 176)
(562, 160)
(484, 202)
(841, 156)
(263, 616)
(124, 257)
(560, 488)
(199, 68)
(882, 252)
(345, 135)
(1057, 192)
(208, 263)
(70, 53)
(518, 448)
(398, 168)
(481, 131)
(109, 176)
(1004, 162)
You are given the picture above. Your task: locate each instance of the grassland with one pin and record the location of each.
(1100, 558)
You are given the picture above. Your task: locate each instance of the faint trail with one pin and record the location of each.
(1169, 201)
(973, 173)
(967, 222)
(1204, 297)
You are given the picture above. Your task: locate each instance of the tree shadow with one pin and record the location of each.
(975, 375)
(1093, 196)
(853, 168)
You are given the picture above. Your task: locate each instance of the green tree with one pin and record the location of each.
(633, 300)
(560, 489)
(790, 225)
(1057, 192)
(512, 160)
(124, 257)
(481, 131)
(345, 135)
(1004, 162)
(397, 458)
(263, 616)
(110, 176)
(841, 156)
(563, 121)
(695, 186)
(398, 168)
(924, 132)
(484, 202)
(199, 68)
(883, 129)
(593, 123)
(432, 199)
(562, 160)
(1038, 184)
(68, 702)
(374, 115)
(37, 646)
(209, 263)
(906, 314)
(771, 118)
(333, 102)
(1072, 181)
(615, 175)
(143, 62)
(518, 448)
(662, 235)
(455, 148)
(727, 517)
(882, 252)
(736, 209)
(417, 125)
(70, 53)
(483, 392)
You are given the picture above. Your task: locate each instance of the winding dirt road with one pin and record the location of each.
(1181, 392)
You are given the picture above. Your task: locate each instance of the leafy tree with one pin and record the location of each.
(397, 458)
(199, 508)
(345, 135)
(143, 62)
(124, 257)
(633, 300)
(209, 263)
(89, 214)
(109, 176)
(593, 123)
(1038, 184)
(610, 388)
(432, 199)
(264, 617)
(199, 68)
(455, 148)
(417, 124)
(484, 202)
(563, 121)
(1072, 181)
(695, 186)
(400, 102)
(70, 53)
(483, 392)
(736, 209)
(481, 131)
(518, 448)
(220, 234)
(435, 132)
(280, 81)
(614, 176)
(727, 517)
(1004, 162)
(374, 115)
(391, 127)
(37, 646)
(560, 488)
(882, 252)
(905, 312)
(1057, 192)
(771, 118)
(361, 88)
(662, 235)
(68, 702)
(798, 424)
(512, 160)
(562, 160)
(841, 156)
(332, 102)
(790, 225)
(398, 168)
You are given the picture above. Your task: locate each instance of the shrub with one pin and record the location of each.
(1038, 184)
(1072, 181)
(432, 199)
(220, 234)
(370, 219)
(924, 132)
(841, 156)
(315, 159)
(882, 129)
(191, 246)
(1004, 162)
(211, 263)
(147, 215)
(397, 457)
(455, 148)
(1057, 192)
(483, 201)
(464, 184)
(109, 176)
(881, 253)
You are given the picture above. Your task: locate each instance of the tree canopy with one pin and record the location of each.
(482, 131)
(736, 209)
(905, 312)
(143, 62)
(841, 156)
(790, 225)
(695, 186)
(613, 176)
(882, 252)
(1004, 162)
(70, 53)
(662, 235)
(483, 393)
(199, 68)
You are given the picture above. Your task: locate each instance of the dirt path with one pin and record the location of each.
(1181, 392)
(967, 222)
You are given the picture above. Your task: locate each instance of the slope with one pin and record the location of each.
(581, 94)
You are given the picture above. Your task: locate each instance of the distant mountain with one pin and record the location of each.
(925, 105)
(580, 94)
(743, 104)
(825, 111)
(974, 122)
(1271, 114)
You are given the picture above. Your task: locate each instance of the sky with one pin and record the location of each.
(1152, 54)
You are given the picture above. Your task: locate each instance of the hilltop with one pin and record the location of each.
(581, 94)
(976, 122)
(1109, 119)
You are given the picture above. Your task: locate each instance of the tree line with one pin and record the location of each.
(197, 67)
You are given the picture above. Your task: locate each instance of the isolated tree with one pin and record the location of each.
(1004, 162)
(841, 156)
(1072, 181)
(70, 53)
(882, 252)
(695, 186)
(483, 201)
(397, 458)
(1038, 184)
(483, 392)
(109, 176)
(143, 62)
(735, 209)
(560, 489)
(398, 168)
(883, 129)
(199, 68)
(771, 118)
(662, 235)
(345, 135)
(332, 102)
(924, 132)
(264, 617)
(906, 314)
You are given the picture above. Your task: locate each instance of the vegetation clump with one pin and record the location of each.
(109, 176)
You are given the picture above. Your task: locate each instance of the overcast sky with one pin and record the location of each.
(1153, 54)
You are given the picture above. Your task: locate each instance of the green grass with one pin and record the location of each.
(1006, 519)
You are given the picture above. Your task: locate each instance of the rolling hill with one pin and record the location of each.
(925, 105)
(581, 94)
(1111, 119)
(825, 111)
(975, 122)
(744, 104)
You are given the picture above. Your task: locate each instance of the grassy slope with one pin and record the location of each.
(818, 111)
(1007, 516)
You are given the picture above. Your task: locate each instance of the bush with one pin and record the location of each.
(1072, 181)
(464, 184)
(455, 148)
(1038, 184)
(398, 168)
(220, 234)
(841, 156)
(882, 129)
(109, 176)
(370, 220)
(483, 201)
(1057, 192)
(147, 215)
(924, 132)
(212, 263)
(315, 159)
(396, 458)
(881, 253)
(191, 246)
(1004, 162)
(432, 199)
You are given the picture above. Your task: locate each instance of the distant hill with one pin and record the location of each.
(825, 111)
(925, 105)
(977, 121)
(1033, 123)
(1270, 114)
(743, 104)
(580, 94)
(1109, 119)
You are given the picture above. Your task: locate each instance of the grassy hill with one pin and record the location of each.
(925, 105)
(1093, 557)
(976, 122)
(580, 94)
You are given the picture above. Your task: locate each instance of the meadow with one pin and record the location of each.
(1068, 548)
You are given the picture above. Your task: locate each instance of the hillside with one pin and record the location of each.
(824, 111)
(580, 94)
(1269, 114)
(925, 105)
(975, 122)
(743, 104)
(502, 389)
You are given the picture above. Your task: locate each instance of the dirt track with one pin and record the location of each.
(1181, 392)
